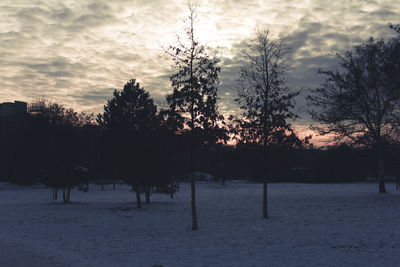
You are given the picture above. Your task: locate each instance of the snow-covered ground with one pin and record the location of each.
(310, 225)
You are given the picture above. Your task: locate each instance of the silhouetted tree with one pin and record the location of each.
(265, 99)
(129, 118)
(58, 133)
(194, 98)
(360, 102)
(395, 27)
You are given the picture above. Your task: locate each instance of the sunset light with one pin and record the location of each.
(196, 133)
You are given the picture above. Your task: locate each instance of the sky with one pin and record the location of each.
(77, 52)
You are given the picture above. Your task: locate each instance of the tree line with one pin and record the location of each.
(150, 148)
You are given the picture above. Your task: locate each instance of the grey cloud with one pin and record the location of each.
(91, 20)
(62, 14)
(33, 14)
(11, 35)
(383, 14)
(298, 40)
(58, 74)
(315, 62)
(58, 67)
(97, 95)
(338, 37)
(99, 7)
(75, 52)
(122, 56)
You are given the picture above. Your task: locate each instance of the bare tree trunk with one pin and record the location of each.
(266, 173)
(192, 181)
(381, 168)
(138, 200)
(172, 191)
(147, 194)
(64, 196)
(68, 193)
(113, 186)
(102, 187)
(194, 213)
(381, 178)
(265, 199)
(56, 193)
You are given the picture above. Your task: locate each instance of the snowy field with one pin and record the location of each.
(310, 225)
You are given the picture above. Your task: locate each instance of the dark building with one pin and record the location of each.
(9, 110)
(12, 115)
(12, 122)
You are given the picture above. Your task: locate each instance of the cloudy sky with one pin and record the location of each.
(76, 52)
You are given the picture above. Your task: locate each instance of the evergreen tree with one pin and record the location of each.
(194, 99)
(129, 118)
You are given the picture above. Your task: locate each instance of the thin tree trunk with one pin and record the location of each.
(381, 178)
(147, 194)
(265, 199)
(192, 179)
(55, 193)
(68, 194)
(64, 196)
(172, 191)
(194, 213)
(193, 186)
(381, 169)
(138, 201)
(266, 174)
(192, 116)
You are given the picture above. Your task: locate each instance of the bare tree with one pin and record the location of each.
(194, 98)
(395, 27)
(360, 102)
(265, 99)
